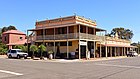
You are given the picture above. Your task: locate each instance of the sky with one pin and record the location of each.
(108, 14)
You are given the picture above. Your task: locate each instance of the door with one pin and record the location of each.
(83, 51)
(13, 53)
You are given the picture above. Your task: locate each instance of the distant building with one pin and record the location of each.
(13, 37)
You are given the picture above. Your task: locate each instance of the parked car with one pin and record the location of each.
(16, 53)
(132, 54)
(135, 54)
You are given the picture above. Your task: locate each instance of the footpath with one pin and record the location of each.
(89, 60)
(73, 60)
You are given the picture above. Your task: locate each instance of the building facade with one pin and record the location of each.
(78, 36)
(13, 37)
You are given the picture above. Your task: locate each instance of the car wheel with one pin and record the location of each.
(25, 57)
(18, 57)
(10, 56)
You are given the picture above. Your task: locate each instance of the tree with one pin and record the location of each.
(33, 48)
(11, 27)
(18, 47)
(4, 29)
(42, 49)
(128, 34)
(24, 48)
(3, 48)
(122, 33)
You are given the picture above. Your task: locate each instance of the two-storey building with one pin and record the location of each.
(76, 35)
(13, 37)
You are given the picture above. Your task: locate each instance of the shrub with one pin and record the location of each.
(33, 48)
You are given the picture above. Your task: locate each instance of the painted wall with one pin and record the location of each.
(63, 49)
(12, 38)
(5, 38)
(15, 38)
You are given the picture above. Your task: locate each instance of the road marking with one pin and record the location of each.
(125, 66)
(9, 72)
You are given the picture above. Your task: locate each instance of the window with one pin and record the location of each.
(5, 38)
(81, 29)
(13, 51)
(50, 44)
(20, 38)
(65, 43)
(61, 30)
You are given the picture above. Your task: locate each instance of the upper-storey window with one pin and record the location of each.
(39, 32)
(81, 29)
(62, 30)
(21, 38)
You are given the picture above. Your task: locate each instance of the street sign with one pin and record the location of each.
(83, 43)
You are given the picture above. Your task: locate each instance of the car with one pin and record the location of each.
(135, 53)
(132, 54)
(16, 53)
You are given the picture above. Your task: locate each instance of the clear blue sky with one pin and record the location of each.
(108, 13)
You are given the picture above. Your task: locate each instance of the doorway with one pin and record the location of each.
(83, 51)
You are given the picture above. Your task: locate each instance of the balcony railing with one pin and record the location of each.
(70, 36)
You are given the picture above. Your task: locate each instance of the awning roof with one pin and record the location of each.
(98, 29)
(119, 45)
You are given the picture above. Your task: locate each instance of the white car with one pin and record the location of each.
(135, 53)
(132, 54)
(16, 53)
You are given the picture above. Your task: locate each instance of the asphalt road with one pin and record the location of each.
(126, 68)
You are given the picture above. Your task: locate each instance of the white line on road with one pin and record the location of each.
(9, 72)
(119, 66)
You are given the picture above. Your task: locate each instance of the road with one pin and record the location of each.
(125, 68)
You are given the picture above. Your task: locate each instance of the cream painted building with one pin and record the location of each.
(77, 35)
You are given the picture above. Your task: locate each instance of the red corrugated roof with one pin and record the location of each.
(13, 31)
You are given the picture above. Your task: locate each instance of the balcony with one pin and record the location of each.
(71, 36)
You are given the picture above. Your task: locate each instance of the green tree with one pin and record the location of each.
(11, 27)
(122, 33)
(24, 48)
(3, 48)
(42, 49)
(4, 29)
(18, 47)
(128, 34)
(33, 48)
